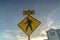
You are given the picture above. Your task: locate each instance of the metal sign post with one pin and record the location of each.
(29, 37)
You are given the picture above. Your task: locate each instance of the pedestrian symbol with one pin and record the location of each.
(29, 24)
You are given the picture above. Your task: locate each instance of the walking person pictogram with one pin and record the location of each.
(28, 22)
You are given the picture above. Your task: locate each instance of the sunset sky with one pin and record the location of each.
(11, 13)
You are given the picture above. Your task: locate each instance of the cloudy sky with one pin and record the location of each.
(11, 13)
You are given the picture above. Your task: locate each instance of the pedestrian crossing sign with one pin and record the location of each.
(29, 24)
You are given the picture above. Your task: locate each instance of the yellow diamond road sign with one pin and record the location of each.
(29, 24)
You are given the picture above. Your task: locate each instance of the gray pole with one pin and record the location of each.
(29, 37)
